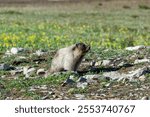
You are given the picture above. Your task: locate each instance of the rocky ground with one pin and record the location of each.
(111, 74)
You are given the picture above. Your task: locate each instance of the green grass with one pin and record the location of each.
(42, 28)
(144, 7)
(24, 84)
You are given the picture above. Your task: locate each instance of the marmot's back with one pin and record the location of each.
(69, 58)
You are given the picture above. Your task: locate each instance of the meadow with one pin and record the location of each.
(61, 25)
(102, 25)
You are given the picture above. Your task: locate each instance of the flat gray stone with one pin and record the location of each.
(15, 50)
(27, 71)
(6, 67)
(82, 85)
(92, 78)
(135, 48)
(69, 81)
(40, 52)
(40, 72)
(145, 98)
(79, 96)
(142, 61)
(106, 62)
(18, 70)
(130, 75)
(82, 79)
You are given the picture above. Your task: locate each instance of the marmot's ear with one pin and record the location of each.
(80, 44)
(77, 44)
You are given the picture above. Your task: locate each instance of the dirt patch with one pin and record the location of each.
(98, 3)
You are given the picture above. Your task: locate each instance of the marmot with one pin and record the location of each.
(68, 58)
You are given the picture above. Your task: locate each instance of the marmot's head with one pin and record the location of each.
(82, 48)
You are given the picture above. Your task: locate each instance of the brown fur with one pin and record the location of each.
(68, 58)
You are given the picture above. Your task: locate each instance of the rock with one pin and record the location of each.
(7, 53)
(82, 85)
(22, 57)
(113, 75)
(4, 76)
(108, 84)
(45, 97)
(71, 77)
(130, 75)
(71, 90)
(31, 71)
(27, 71)
(44, 91)
(40, 52)
(124, 80)
(69, 81)
(15, 50)
(103, 63)
(141, 61)
(40, 72)
(145, 98)
(79, 96)
(139, 72)
(18, 70)
(6, 67)
(32, 88)
(98, 63)
(121, 64)
(82, 79)
(135, 48)
(9, 98)
(142, 78)
(51, 93)
(92, 78)
(19, 60)
(43, 87)
(93, 63)
(106, 62)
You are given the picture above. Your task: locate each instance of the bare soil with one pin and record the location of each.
(100, 3)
